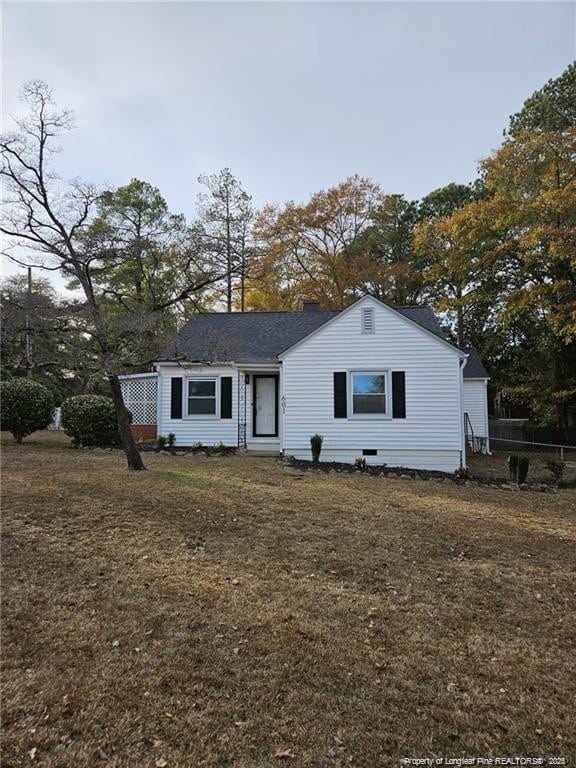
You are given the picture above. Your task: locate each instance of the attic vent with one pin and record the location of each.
(368, 320)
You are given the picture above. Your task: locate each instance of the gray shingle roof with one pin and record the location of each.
(242, 337)
(474, 368)
(259, 337)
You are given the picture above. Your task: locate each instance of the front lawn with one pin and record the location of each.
(233, 612)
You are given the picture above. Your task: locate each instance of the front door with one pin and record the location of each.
(265, 406)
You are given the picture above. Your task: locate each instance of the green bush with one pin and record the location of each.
(316, 447)
(90, 420)
(518, 467)
(523, 466)
(26, 407)
(557, 468)
(513, 467)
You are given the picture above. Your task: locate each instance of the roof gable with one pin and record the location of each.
(420, 317)
(264, 337)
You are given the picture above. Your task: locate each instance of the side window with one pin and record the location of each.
(369, 393)
(201, 397)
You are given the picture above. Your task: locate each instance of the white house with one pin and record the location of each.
(373, 380)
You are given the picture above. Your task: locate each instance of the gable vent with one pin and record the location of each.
(368, 322)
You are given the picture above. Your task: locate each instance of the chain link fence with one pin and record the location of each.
(548, 462)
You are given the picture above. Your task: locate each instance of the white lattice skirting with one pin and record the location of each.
(140, 397)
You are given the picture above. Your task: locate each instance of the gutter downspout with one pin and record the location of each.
(462, 363)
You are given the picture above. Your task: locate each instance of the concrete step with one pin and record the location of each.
(263, 448)
(251, 452)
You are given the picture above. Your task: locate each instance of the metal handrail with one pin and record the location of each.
(468, 423)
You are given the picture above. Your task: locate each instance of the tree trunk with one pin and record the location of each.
(228, 267)
(242, 283)
(459, 319)
(128, 444)
(561, 413)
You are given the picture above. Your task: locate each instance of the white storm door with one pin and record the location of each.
(265, 406)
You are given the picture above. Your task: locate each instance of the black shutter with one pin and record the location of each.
(398, 395)
(340, 404)
(176, 398)
(226, 397)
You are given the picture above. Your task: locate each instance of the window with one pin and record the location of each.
(201, 397)
(368, 320)
(369, 391)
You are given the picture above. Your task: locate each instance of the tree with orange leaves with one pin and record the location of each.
(308, 250)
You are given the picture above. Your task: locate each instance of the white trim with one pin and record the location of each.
(159, 405)
(202, 416)
(257, 367)
(486, 424)
(462, 439)
(462, 355)
(137, 375)
(388, 394)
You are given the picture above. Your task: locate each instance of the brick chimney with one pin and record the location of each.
(310, 306)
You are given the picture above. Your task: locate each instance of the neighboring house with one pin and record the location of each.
(373, 380)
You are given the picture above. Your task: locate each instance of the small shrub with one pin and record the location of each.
(463, 473)
(360, 463)
(90, 420)
(513, 467)
(171, 442)
(316, 446)
(219, 448)
(523, 466)
(199, 446)
(557, 468)
(26, 407)
(160, 443)
(518, 468)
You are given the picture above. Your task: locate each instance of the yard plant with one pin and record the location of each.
(316, 446)
(557, 469)
(518, 467)
(27, 406)
(90, 420)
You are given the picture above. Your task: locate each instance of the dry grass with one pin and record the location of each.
(265, 616)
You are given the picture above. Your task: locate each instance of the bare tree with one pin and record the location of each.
(52, 224)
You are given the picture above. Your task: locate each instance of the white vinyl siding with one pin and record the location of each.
(476, 405)
(208, 429)
(431, 434)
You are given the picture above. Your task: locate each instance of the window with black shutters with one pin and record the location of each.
(201, 397)
(369, 393)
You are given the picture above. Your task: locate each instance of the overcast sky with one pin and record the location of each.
(293, 97)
